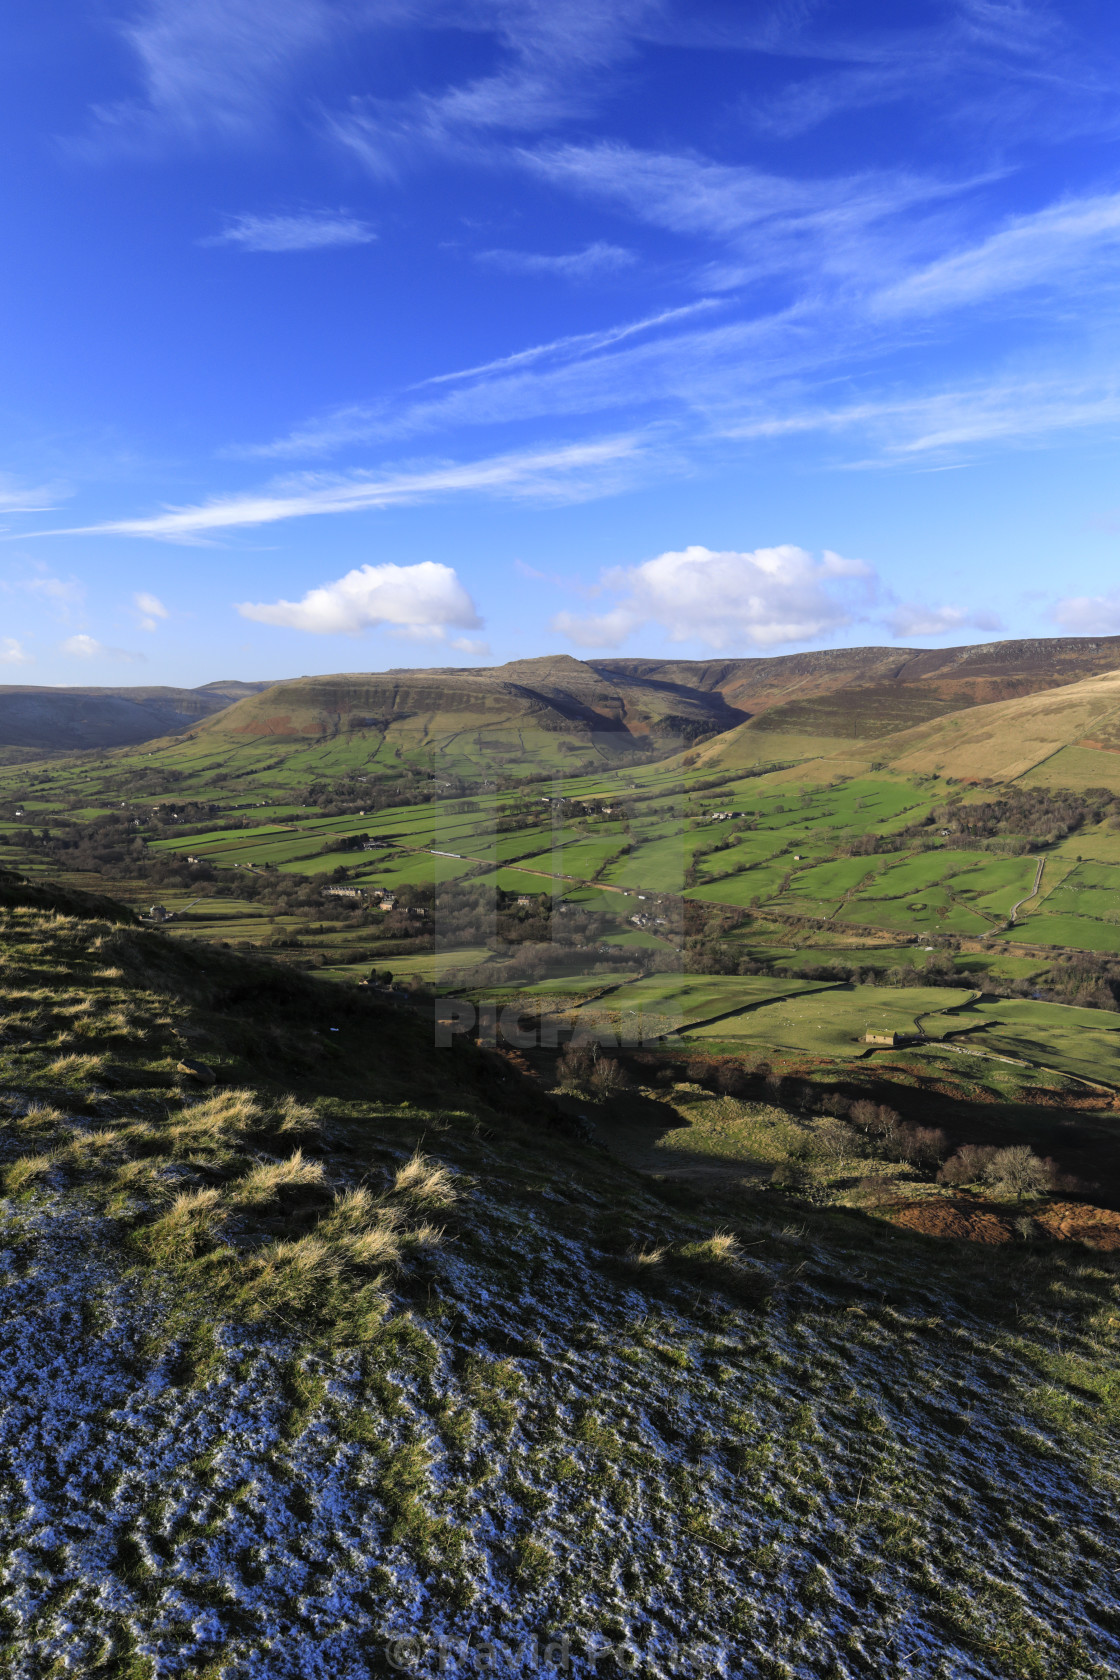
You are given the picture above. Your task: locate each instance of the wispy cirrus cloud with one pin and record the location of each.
(311, 230)
(552, 60)
(779, 215)
(1009, 410)
(598, 258)
(211, 70)
(19, 498)
(570, 472)
(1073, 240)
(359, 423)
(13, 652)
(980, 63)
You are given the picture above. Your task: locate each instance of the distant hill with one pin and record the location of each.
(532, 708)
(791, 705)
(564, 714)
(71, 719)
(820, 705)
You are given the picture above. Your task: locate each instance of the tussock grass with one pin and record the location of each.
(19, 1174)
(295, 1118)
(77, 1069)
(355, 1211)
(720, 1249)
(380, 1246)
(425, 1182)
(265, 1182)
(288, 1275)
(39, 1117)
(188, 1224)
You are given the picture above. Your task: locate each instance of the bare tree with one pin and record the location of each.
(608, 1077)
(968, 1165)
(921, 1144)
(875, 1118)
(1017, 1171)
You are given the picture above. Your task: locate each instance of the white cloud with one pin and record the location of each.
(1064, 241)
(357, 423)
(1012, 411)
(775, 224)
(912, 619)
(211, 69)
(311, 231)
(598, 258)
(150, 609)
(87, 647)
(570, 472)
(15, 498)
(727, 599)
(13, 652)
(426, 599)
(1089, 615)
(60, 593)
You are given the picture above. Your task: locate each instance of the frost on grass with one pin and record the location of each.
(289, 1392)
(542, 1449)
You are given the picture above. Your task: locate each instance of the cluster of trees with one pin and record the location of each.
(1037, 814)
(584, 1070)
(1014, 1170)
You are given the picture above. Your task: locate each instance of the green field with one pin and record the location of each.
(1076, 932)
(833, 1021)
(1085, 1042)
(694, 997)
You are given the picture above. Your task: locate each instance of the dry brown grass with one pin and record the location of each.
(217, 1121)
(265, 1182)
(76, 1068)
(296, 1118)
(425, 1182)
(19, 1174)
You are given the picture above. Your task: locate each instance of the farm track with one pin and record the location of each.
(1033, 892)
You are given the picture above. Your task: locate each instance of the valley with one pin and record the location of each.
(563, 1157)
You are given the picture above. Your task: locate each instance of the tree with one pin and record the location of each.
(837, 1141)
(968, 1165)
(1018, 1171)
(608, 1077)
(875, 1118)
(921, 1144)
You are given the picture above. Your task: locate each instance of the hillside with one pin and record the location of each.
(512, 708)
(360, 1358)
(555, 712)
(48, 720)
(565, 715)
(1068, 737)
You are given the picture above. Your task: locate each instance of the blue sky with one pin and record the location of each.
(342, 334)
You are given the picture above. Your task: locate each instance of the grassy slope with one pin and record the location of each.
(267, 1431)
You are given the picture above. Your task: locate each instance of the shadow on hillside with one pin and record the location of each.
(632, 1128)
